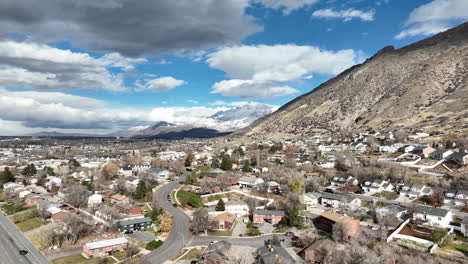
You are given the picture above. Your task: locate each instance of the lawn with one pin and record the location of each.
(460, 247)
(21, 217)
(121, 255)
(418, 232)
(387, 195)
(79, 259)
(12, 209)
(1, 195)
(193, 254)
(222, 232)
(40, 239)
(31, 224)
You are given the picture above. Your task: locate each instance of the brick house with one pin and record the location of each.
(270, 216)
(104, 247)
(223, 221)
(316, 252)
(119, 199)
(327, 219)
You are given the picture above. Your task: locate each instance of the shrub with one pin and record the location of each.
(153, 245)
(190, 198)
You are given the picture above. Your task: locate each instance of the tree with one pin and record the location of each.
(294, 219)
(188, 160)
(200, 222)
(132, 250)
(220, 206)
(6, 176)
(77, 196)
(73, 164)
(109, 170)
(449, 144)
(226, 163)
(275, 241)
(246, 167)
(166, 222)
(30, 170)
(215, 164)
(140, 191)
(338, 232)
(439, 235)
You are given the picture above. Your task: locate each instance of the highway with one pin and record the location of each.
(179, 236)
(11, 241)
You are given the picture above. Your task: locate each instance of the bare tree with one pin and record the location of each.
(132, 250)
(200, 222)
(77, 196)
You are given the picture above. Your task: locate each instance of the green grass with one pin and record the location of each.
(460, 247)
(190, 198)
(21, 217)
(222, 232)
(387, 195)
(153, 245)
(121, 255)
(459, 236)
(31, 224)
(1, 195)
(10, 209)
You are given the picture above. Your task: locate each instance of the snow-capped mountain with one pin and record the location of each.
(247, 113)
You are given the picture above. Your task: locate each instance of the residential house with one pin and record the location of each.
(341, 181)
(316, 252)
(388, 149)
(310, 200)
(60, 217)
(272, 254)
(273, 187)
(119, 199)
(433, 216)
(456, 197)
(327, 219)
(406, 148)
(392, 210)
(104, 247)
(270, 216)
(139, 168)
(159, 173)
(464, 226)
(126, 171)
(53, 183)
(239, 208)
(423, 151)
(224, 221)
(216, 253)
(358, 147)
(377, 185)
(415, 190)
(339, 200)
(440, 154)
(137, 224)
(460, 157)
(333, 148)
(95, 200)
(250, 181)
(33, 199)
(258, 169)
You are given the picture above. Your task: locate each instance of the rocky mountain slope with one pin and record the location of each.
(423, 85)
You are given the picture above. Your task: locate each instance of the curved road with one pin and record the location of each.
(180, 236)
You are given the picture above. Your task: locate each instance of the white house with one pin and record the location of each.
(250, 181)
(310, 200)
(415, 190)
(53, 181)
(239, 208)
(377, 185)
(456, 197)
(341, 181)
(389, 149)
(95, 200)
(432, 216)
(326, 164)
(440, 154)
(159, 173)
(339, 200)
(464, 226)
(394, 210)
(406, 148)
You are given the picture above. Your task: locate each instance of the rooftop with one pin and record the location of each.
(106, 243)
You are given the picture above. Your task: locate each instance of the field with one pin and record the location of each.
(387, 195)
(39, 239)
(79, 259)
(26, 221)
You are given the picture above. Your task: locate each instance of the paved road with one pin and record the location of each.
(254, 242)
(11, 241)
(180, 235)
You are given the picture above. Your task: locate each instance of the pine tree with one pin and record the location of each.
(246, 167)
(6, 176)
(140, 190)
(220, 206)
(226, 163)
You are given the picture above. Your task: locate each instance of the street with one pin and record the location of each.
(254, 242)
(179, 236)
(11, 241)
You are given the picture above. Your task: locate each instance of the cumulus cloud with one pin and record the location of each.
(42, 67)
(147, 28)
(162, 84)
(279, 62)
(251, 89)
(434, 17)
(286, 5)
(347, 14)
(63, 111)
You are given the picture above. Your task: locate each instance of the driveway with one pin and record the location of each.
(144, 236)
(239, 229)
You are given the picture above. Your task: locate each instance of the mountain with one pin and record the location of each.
(423, 85)
(247, 113)
(55, 134)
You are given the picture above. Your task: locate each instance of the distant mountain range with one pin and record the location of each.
(423, 86)
(220, 123)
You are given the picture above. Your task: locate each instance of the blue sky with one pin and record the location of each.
(101, 66)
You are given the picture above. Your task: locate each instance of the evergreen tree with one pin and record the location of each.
(188, 160)
(220, 206)
(6, 176)
(215, 164)
(30, 170)
(246, 167)
(226, 163)
(140, 190)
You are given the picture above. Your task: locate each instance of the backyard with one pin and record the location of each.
(79, 259)
(416, 231)
(26, 221)
(387, 195)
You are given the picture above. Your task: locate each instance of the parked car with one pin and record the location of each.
(23, 252)
(289, 233)
(295, 238)
(99, 224)
(175, 205)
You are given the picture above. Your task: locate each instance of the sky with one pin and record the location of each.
(101, 66)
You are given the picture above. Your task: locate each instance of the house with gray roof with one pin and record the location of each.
(456, 197)
(136, 224)
(339, 200)
(272, 254)
(415, 190)
(432, 216)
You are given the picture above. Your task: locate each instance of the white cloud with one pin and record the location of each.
(162, 84)
(279, 62)
(164, 102)
(192, 101)
(286, 5)
(42, 67)
(434, 17)
(347, 14)
(252, 89)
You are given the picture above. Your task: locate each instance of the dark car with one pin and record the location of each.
(295, 238)
(289, 233)
(23, 252)
(175, 205)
